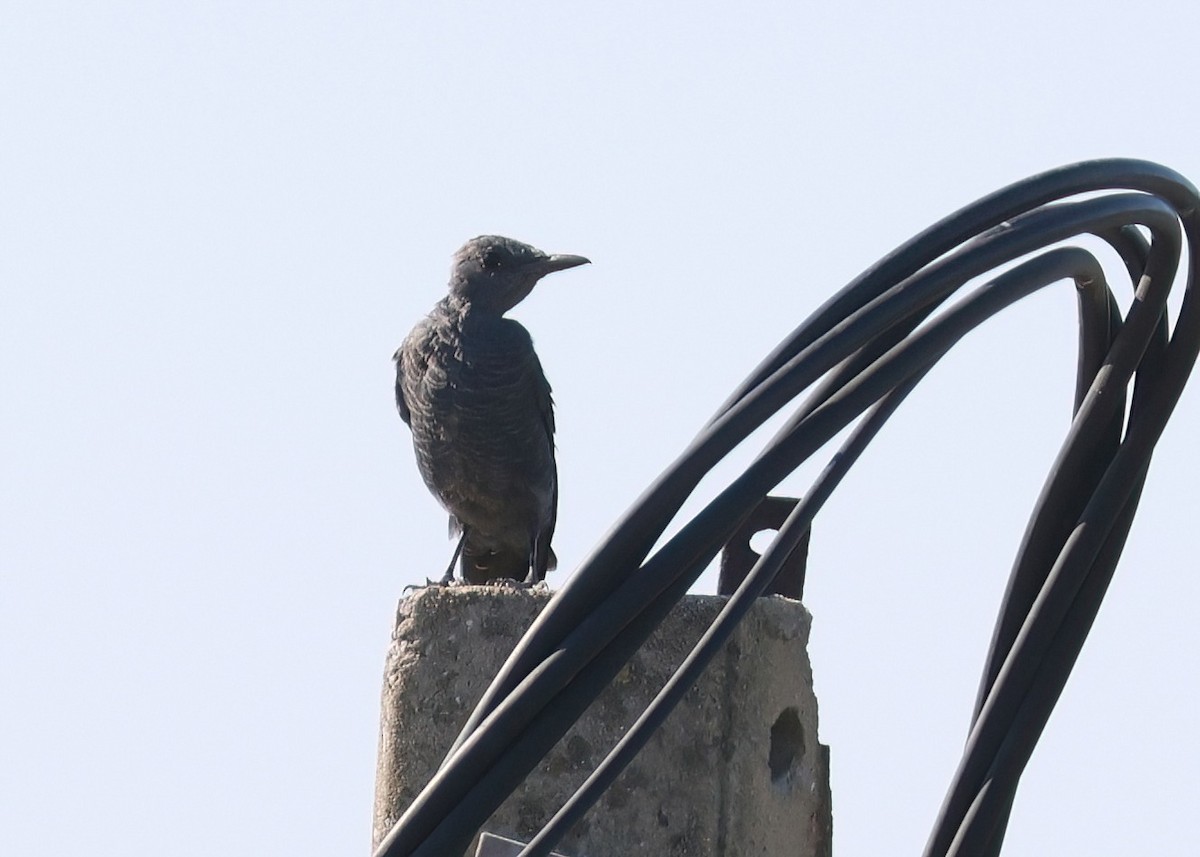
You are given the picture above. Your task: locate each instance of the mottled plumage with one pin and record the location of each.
(470, 387)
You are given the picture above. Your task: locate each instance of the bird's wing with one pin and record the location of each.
(401, 405)
(545, 400)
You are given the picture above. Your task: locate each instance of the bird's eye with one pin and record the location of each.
(492, 259)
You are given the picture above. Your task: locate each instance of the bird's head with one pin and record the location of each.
(496, 273)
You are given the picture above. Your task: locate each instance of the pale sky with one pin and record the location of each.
(217, 221)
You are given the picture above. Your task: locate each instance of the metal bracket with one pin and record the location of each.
(738, 557)
(491, 845)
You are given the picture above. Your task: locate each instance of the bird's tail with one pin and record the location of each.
(482, 565)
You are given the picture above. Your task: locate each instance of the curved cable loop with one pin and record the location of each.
(927, 289)
(914, 361)
(865, 349)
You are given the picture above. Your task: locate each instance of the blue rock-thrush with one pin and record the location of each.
(471, 388)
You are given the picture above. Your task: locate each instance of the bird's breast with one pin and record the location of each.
(481, 418)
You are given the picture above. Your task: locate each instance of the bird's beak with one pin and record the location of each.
(561, 262)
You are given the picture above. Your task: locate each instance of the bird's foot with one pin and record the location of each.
(445, 581)
(509, 583)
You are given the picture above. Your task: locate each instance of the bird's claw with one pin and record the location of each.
(445, 581)
(509, 583)
(506, 583)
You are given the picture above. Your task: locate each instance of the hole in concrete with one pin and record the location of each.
(760, 541)
(787, 746)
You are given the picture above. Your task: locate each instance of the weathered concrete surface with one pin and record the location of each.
(736, 770)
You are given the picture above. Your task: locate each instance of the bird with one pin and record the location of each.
(471, 389)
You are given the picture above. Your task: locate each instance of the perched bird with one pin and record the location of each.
(472, 390)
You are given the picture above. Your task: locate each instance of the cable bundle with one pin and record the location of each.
(853, 362)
